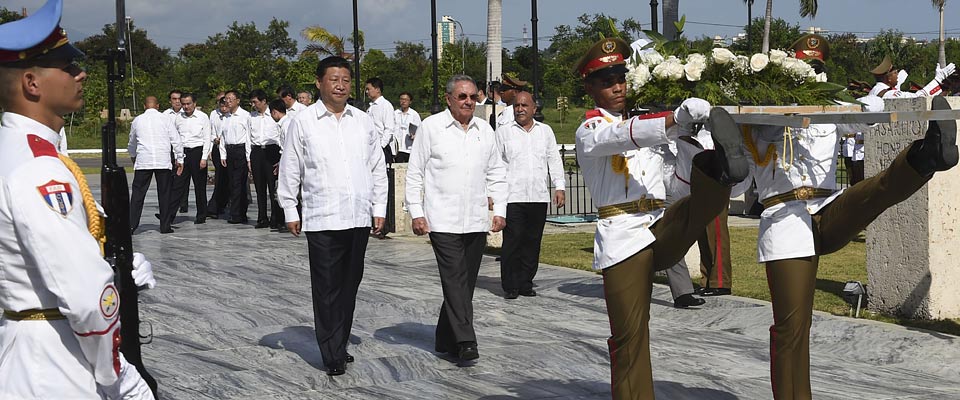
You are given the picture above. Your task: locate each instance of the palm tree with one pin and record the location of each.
(807, 7)
(671, 10)
(494, 39)
(943, 54)
(326, 43)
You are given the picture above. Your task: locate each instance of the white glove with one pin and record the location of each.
(143, 272)
(943, 73)
(692, 110)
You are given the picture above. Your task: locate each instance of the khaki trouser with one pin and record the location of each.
(715, 253)
(792, 281)
(628, 285)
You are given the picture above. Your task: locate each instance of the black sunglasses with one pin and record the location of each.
(463, 97)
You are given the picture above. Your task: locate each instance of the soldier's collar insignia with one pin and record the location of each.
(58, 196)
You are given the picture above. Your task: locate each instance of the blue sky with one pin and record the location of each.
(179, 22)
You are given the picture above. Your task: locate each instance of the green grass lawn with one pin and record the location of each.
(575, 250)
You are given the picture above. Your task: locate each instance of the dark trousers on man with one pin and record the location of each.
(262, 159)
(181, 183)
(336, 269)
(520, 255)
(854, 170)
(714, 247)
(221, 186)
(237, 167)
(138, 192)
(458, 259)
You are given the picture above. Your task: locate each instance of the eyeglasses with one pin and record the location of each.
(463, 97)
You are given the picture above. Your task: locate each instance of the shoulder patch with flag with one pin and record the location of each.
(58, 195)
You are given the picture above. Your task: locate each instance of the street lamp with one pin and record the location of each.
(435, 108)
(463, 45)
(654, 25)
(133, 85)
(538, 115)
(356, 56)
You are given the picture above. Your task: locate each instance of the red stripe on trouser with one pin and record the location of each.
(719, 258)
(773, 339)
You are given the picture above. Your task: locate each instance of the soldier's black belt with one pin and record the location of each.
(800, 193)
(631, 207)
(50, 314)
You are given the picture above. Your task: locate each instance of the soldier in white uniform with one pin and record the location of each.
(622, 164)
(805, 216)
(508, 93)
(889, 80)
(59, 334)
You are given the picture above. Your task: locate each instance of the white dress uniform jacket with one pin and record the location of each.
(381, 110)
(601, 138)
(263, 129)
(451, 174)
(407, 123)
(235, 129)
(532, 160)
(505, 116)
(152, 136)
(49, 260)
(339, 166)
(194, 131)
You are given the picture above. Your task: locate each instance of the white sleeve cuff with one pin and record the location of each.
(291, 214)
(416, 210)
(500, 210)
(379, 210)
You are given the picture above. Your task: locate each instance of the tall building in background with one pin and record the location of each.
(446, 33)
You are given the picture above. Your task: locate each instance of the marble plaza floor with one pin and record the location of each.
(232, 318)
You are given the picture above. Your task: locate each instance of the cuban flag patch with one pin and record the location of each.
(58, 195)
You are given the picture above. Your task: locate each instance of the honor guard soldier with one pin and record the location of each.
(622, 162)
(60, 330)
(508, 93)
(805, 217)
(889, 80)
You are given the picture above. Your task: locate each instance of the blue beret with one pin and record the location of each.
(36, 37)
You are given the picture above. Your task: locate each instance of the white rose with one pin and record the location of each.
(638, 76)
(651, 57)
(693, 70)
(777, 56)
(697, 58)
(741, 63)
(758, 62)
(671, 69)
(722, 55)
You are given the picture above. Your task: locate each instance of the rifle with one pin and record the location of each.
(115, 197)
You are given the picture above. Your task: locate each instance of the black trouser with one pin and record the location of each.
(458, 259)
(182, 201)
(401, 157)
(520, 255)
(221, 185)
(336, 269)
(854, 170)
(262, 160)
(138, 191)
(181, 183)
(237, 167)
(387, 155)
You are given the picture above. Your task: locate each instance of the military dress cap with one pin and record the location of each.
(510, 82)
(607, 53)
(37, 37)
(811, 47)
(885, 66)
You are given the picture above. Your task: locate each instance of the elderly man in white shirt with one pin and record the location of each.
(235, 155)
(408, 121)
(529, 149)
(381, 110)
(332, 153)
(264, 154)
(454, 168)
(289, 98)
(194, 130)
(152, 136)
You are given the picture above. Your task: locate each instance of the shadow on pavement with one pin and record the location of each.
(594, 290)
(301, 340)
(410, 333)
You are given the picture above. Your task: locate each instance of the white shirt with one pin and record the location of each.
(451, 174)
(338, 164)
(382, 113)
(49, 260)
(235, 129)
(406, 121)
(601, 138)
(297, 107)
(216, 124)
(171, 113)
(152, 136)
(195, 131)
(263, 129)
(529, 157)
(505, 116)
(283, 124)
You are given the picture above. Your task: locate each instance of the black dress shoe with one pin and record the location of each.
(157, 215)
(234, 221)
(261, 225)
(200, 221)
(688, 300)
(337, 368)
(511, 294)
(183, 209)
(713, 291)
(166, 230)
(213, 216)
(349, 358)
(938, 149)
(728, 141)
(528, 292)
(468, 351)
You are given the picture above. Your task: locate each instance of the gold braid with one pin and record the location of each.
(752, 146)
(95, 223)
(619, 164)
